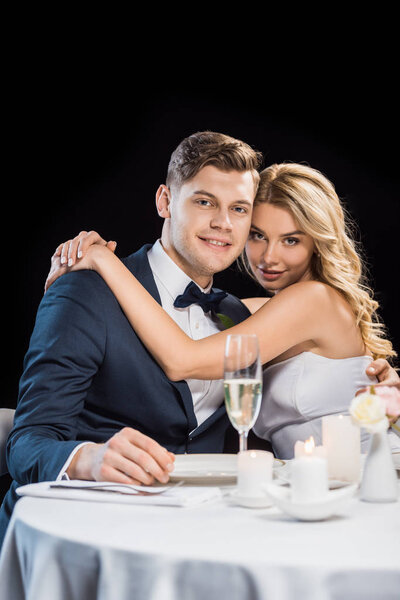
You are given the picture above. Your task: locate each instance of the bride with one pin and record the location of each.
(317, 331)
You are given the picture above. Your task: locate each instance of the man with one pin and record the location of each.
(88, 378)
(93, 404)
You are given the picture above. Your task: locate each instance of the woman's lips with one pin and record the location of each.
(270, 275)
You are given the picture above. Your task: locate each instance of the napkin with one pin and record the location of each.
(71, 490)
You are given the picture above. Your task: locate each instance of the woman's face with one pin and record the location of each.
(278, 252)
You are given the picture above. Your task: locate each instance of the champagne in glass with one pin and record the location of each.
(242, 383)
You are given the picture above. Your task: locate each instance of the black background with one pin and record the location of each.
(89, 139)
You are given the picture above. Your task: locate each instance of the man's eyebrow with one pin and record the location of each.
(204, 193)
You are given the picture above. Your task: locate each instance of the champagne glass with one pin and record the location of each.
(242, 383)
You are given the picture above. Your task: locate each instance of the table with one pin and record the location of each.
(67, 549)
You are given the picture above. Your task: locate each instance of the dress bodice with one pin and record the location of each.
(299, 391)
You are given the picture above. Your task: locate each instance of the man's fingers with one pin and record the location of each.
(125, 466)
(149, 458)
(164, 458)
(109, 473)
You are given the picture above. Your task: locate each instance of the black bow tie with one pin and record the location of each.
(193, 295)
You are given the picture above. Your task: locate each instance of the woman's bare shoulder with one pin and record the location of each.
(253, 304)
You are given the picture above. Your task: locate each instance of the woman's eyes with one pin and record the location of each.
(255, 235)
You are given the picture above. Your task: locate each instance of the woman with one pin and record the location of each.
(318, 331)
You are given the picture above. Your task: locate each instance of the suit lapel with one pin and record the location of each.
(138, 264)
(233, 308)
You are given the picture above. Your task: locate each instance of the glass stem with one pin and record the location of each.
(243, 441)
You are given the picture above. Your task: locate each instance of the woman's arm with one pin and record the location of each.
(253, 304)
(283, 322)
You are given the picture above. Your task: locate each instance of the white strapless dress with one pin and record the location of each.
(299, 391)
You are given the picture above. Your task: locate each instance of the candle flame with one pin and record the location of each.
(309, 445)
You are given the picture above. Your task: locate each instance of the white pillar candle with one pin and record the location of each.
(300, 448)
(341, 438)
(254, 471)
(309, 479)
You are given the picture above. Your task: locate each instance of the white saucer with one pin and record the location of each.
(333, 504)
(250, 501)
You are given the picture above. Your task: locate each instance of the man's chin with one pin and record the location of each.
(217, 266)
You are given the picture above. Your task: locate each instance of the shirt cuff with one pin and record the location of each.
(62, 474)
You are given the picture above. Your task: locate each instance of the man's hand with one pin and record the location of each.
(128, 457)
(386, 374)
(69, 252)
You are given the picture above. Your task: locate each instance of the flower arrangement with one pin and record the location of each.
(376, 408)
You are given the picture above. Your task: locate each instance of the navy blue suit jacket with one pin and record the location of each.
(87, 375)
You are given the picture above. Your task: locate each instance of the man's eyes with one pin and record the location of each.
(205, 202)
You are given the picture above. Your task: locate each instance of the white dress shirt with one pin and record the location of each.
(172, 281)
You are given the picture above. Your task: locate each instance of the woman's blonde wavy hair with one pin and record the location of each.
(312, 200)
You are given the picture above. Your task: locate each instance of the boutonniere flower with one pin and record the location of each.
(225, 320)
(374, 408)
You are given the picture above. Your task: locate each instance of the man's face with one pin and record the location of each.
(207, 221)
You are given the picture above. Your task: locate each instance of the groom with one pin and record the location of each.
(93, 404)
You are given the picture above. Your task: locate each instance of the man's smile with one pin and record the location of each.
(215, 242)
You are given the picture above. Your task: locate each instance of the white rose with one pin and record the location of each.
(369, 411)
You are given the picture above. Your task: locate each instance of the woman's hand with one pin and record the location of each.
(384, 372)
(69, 253)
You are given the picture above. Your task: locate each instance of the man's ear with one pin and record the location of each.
(163, 201)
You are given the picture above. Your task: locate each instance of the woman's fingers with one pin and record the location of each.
(86, 240)
(76, 248)
(64, 252)
(112, 246)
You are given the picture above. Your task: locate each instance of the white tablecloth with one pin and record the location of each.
(68, 549)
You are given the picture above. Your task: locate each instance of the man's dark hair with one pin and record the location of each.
(210, 148)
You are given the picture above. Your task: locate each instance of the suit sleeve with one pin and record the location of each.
(65, 351)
